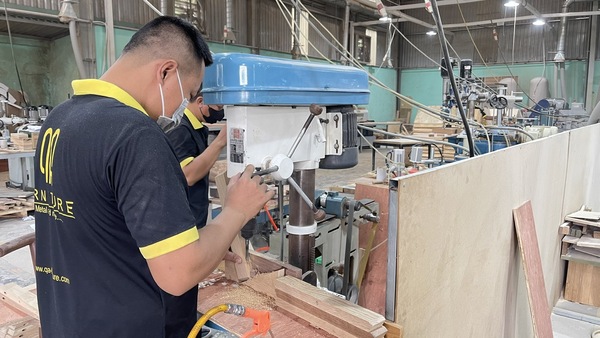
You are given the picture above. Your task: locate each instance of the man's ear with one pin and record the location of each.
(199, 100)
(164, 69)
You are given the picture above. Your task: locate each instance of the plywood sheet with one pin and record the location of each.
(534, 275)
(583, 174)
(458, 263)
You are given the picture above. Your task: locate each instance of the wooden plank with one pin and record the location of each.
(325, 325)
(326, 305)
(582, 221)
(570, 239)
(589, 242)
(236, 272)
(373, 287)
(586, 215)
(21, 299)
(534, 275)
(265, 263)
(394, 330)
(583, 283)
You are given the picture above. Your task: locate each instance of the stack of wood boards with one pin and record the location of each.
(22, 328)
(326, 311)
(428, 126)
(20, 298)
(16, 205)
(581, 247)
(22, 141)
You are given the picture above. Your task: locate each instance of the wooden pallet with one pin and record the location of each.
(16, 206)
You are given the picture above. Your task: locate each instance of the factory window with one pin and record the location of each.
(362, 48)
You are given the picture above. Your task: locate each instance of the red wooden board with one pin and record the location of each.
(534, 276)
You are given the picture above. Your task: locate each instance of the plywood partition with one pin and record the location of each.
(459, 272)
(583, 173)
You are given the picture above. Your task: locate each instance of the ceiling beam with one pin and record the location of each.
(520, 18)
(422, 5)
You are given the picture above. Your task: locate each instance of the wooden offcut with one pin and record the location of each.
(27, 327)
(393, 330)
(534, 275)
(234, 271)
(583, 283)
(327, 311)
(264, 263)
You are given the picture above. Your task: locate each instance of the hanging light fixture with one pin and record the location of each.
(431, 33)
(511, 3)
(539, 22)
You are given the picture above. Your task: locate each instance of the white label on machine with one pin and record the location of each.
(243, 75)
(236, 145)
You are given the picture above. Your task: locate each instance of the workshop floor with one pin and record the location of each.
(569, 320)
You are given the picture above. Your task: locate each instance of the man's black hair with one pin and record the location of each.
(152, 35)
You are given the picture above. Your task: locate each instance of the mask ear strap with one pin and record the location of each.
(162, 99)
(180, 86)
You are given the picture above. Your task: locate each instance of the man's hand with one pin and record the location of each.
(221, 139)
(246, 195)
(232, 257)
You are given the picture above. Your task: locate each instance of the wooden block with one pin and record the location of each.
(570, 239)
(393, 330)
(264, 263)
(565, 228)
(596, 234)
(583, 283)
(337, 311)
(534, 275)
(236, 272)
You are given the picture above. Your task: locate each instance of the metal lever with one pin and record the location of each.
(319, 213)
(315, 110)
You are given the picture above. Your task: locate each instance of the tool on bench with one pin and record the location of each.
(261, 319)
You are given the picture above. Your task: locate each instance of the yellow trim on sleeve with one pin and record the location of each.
(106, 89)
(186, 162)
(170, 244)
(193, 119)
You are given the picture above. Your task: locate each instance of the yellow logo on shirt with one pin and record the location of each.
(49, 141)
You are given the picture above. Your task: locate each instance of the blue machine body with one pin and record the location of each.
(248, 79)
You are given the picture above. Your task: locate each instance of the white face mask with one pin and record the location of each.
(167, 123)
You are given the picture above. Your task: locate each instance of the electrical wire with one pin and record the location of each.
(12, 50)
(471, 37)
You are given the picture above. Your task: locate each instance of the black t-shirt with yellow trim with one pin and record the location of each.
(109, 194)
(189, 140)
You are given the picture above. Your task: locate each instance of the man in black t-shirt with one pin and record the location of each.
(113, 226)
(196, 157)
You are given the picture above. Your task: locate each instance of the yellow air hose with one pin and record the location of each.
(198, 326)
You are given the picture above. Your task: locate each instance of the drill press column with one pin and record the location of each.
(301, 247)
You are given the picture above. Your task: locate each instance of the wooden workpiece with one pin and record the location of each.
(327, 311)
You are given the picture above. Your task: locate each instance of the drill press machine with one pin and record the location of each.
(288, 118)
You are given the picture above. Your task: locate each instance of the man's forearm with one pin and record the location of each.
(200, 166)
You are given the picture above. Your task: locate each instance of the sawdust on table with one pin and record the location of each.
(246, 296)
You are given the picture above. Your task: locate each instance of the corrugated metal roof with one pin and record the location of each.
(30, 27)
